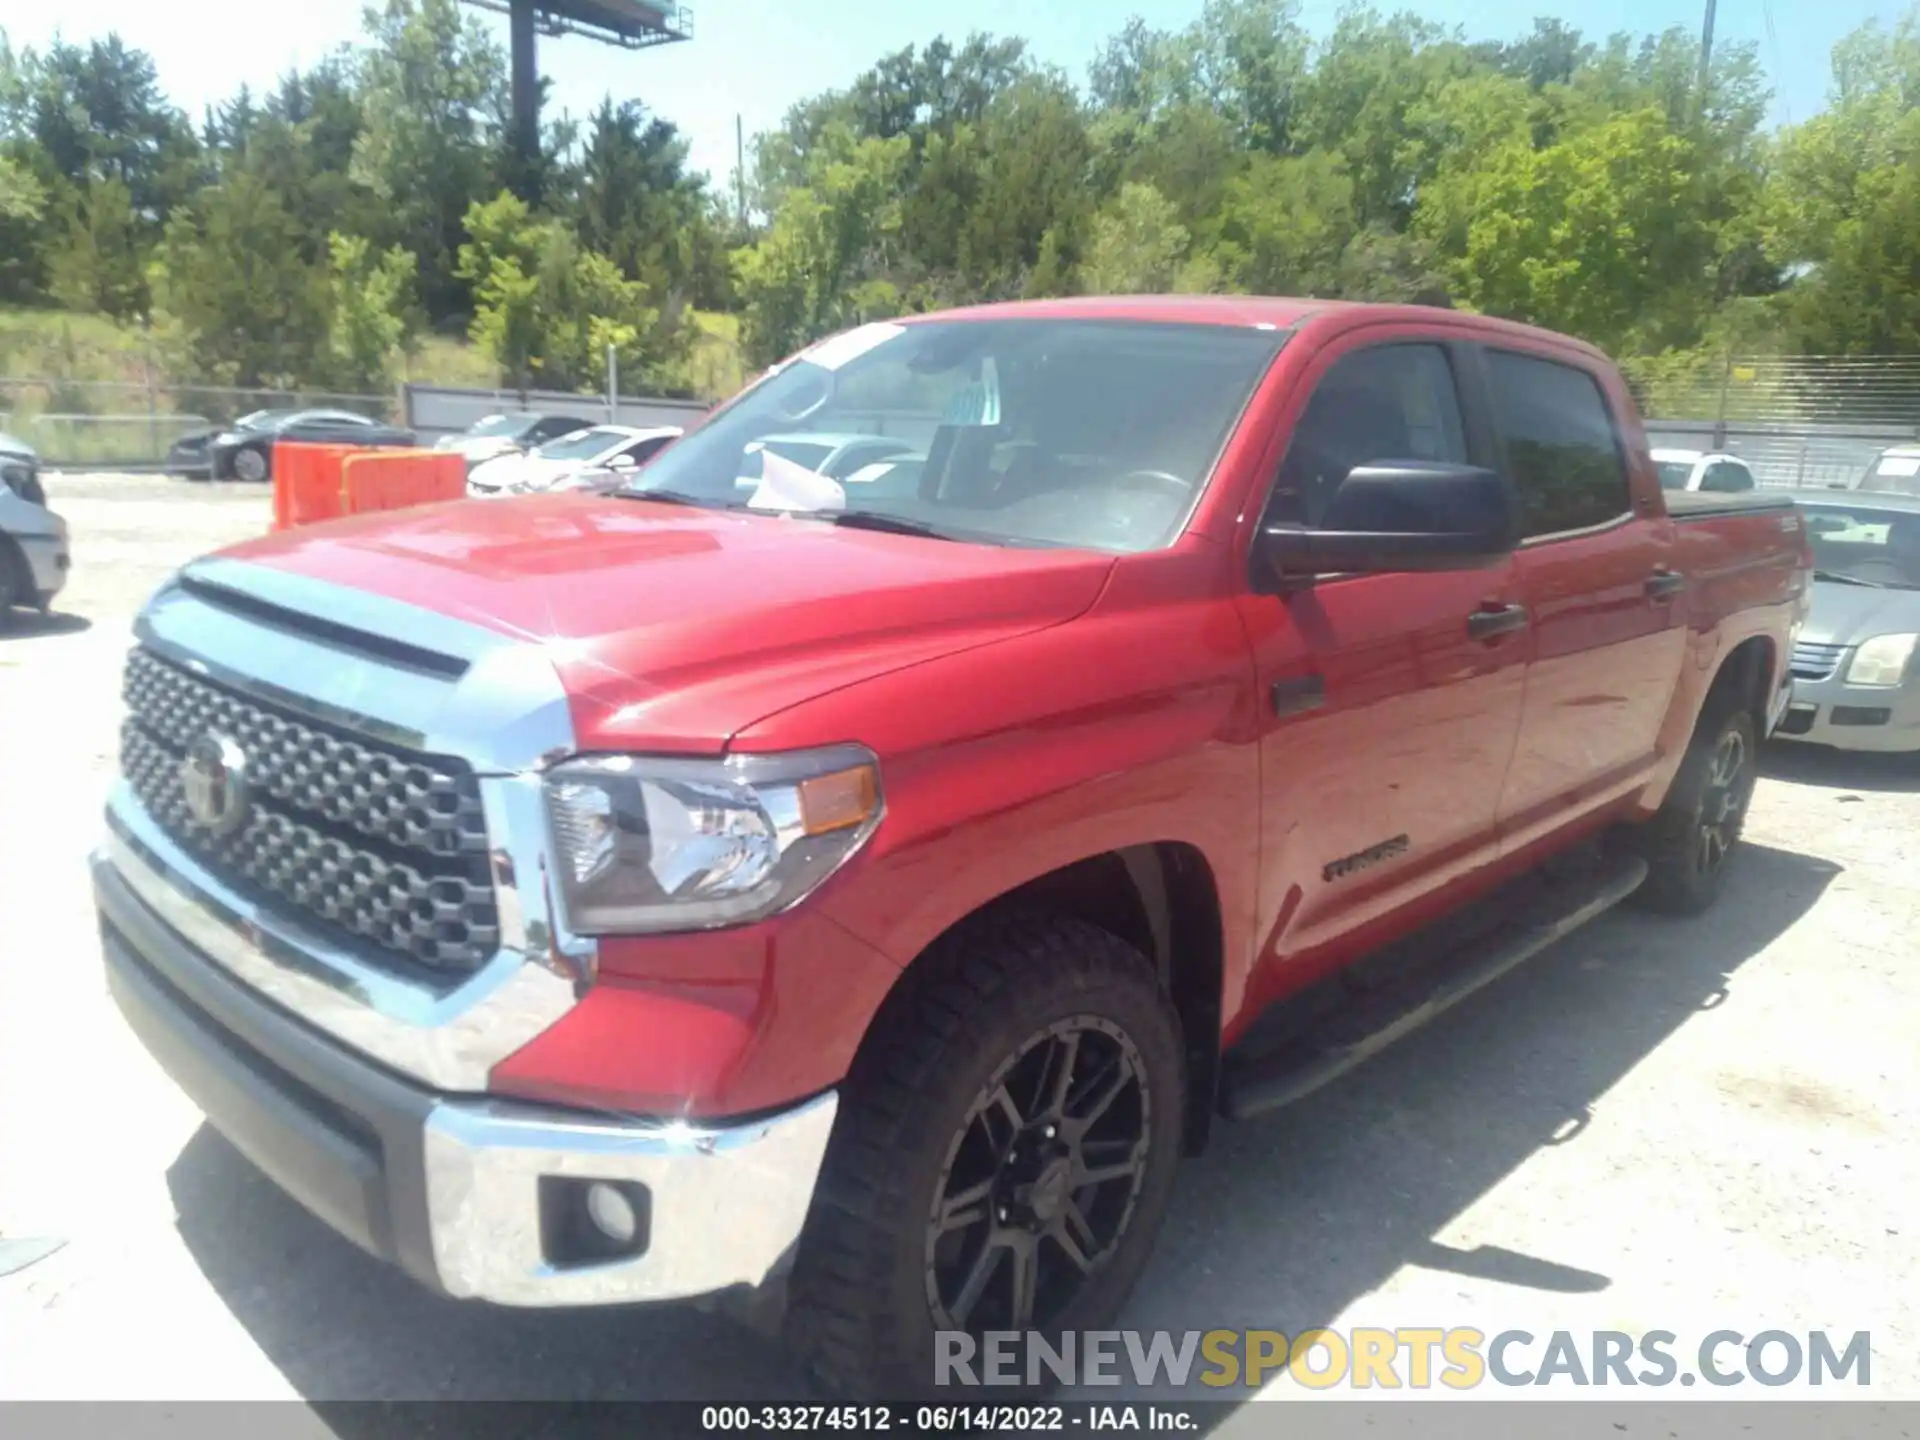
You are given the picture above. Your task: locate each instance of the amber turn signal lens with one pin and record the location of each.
(837, 801)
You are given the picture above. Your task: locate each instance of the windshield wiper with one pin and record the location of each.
(679, 497)
(1841, 578)
(878, 520)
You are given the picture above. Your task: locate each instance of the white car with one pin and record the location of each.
(1895, 472)
(1701, 470)
(510, 434)
(597, 459)
(33, 540)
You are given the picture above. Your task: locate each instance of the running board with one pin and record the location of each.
(1381, 1016)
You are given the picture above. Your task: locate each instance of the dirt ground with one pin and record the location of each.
(1656, 1125)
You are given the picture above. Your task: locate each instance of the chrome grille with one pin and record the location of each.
(386, 846)
(1816, 662)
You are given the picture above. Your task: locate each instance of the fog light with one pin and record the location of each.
(612, 1213)
(589, 1222)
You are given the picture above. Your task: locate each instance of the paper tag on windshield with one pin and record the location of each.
(788, 485)
(1900, 465)
(837, 350)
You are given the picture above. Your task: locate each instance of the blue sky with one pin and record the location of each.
(755, 57)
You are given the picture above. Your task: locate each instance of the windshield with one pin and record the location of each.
(261, 419)
(583, 446)
(1881, 547)
(1088, 433)
(507, 425)
(1674, 474)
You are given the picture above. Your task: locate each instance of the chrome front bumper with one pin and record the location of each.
(362, 1088)
(727, 1202)
(450, 1187)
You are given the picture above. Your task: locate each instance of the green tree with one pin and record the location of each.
(636, 203)
(546, 310)
(1372, 75)
(432, 83)
(825, 261)
(1250, 64)
(101, 262)
(1032, 153)
(230, 279)
(23, 248)
(370, 319)
(1285, 224)
(1601, 234)
(1138, 246)
(98, 112)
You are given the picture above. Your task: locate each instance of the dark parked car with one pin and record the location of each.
(245, 450)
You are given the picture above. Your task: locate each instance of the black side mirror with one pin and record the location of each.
(1404, 515)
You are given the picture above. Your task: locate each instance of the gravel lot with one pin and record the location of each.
(1657, 1125)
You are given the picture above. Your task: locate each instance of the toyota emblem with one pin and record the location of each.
(214, 777)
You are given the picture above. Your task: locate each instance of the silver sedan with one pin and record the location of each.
(1856, 684)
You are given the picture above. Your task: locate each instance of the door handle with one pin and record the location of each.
(1664, 584)
(1490, 622)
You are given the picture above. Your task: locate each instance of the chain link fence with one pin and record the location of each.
(117, 425)
(1799, 421)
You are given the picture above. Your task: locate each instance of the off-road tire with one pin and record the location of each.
(860, 1313)
(1685, 873)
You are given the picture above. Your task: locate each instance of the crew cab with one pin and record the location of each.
(853, 900)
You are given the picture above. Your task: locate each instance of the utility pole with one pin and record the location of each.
(526, 99)
(1706, 55)
(740, 168)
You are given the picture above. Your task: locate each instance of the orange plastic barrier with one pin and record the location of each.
(395, 479)
(307, 483)
(312, 483)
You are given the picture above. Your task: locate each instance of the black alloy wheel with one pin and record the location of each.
(1724, 798)
(1041, 1181)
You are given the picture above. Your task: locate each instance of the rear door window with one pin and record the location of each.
(1388, 403)
(1563, 448)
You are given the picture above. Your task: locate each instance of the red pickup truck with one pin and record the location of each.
(849, 886)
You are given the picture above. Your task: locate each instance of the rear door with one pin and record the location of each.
(1596, 573)
(1389, 703)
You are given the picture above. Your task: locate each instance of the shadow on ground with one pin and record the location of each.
(1283, 1224)
(1822, 767)
(31, 624)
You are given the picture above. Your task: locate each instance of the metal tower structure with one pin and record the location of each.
(629, 24)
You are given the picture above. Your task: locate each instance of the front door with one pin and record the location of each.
(1389, 703)
(1597, 580)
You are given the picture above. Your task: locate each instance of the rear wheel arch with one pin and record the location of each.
(1745, 678)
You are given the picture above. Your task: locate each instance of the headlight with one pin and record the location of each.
(650, 845)
(1882, 660)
